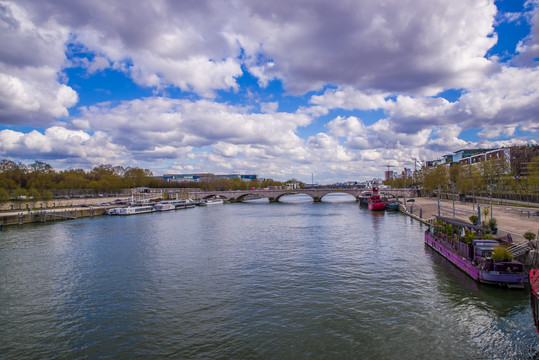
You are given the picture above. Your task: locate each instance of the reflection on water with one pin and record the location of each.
(290, 280)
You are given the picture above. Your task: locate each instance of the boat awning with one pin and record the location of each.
(462, 224)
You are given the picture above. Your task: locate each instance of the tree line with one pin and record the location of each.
(519, 176)
(39, 180)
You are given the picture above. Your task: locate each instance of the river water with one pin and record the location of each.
(237, 281)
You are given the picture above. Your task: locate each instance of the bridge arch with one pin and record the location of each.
(220, 196)
(352, 196)
(277, 198)
(242, 197)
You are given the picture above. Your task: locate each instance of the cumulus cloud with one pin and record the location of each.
(56, 142)
(31, 55)
(528, 48)
(351, 99)
(499, 105)
(141, 125)
(396, 45)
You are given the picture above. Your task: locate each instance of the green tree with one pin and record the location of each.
(137, 177)
(34, 195)
(4, 196)
(20, 194)
(46, 195)
(435, 178)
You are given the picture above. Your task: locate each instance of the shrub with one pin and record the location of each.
(468, 237)
(493, 223)
(487, 237)
(528, 235)
(501, 253)
(473, 219)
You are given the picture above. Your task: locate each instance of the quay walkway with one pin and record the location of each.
(513, 220)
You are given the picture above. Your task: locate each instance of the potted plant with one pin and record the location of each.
(528, 235)
(493, 225)
(500, 253)
(474, 219)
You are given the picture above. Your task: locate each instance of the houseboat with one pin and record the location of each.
(454, 240)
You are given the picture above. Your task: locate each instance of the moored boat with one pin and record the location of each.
(134, 210)
(164, 206)
(454, 240)
(392, 206)
(211, 201)
(375, 202)
(112, 211)
(184, 204)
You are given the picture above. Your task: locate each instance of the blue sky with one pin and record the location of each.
(280, 89)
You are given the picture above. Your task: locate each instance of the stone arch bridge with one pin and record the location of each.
(274, 195)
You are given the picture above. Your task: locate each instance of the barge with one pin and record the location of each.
(475, 256)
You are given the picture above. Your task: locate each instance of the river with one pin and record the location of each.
(268, 281)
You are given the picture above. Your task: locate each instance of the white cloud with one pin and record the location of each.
(413, 45)
(528, 48)
(58, 142)
(351, 99)
(141, 125)
(99, 63)
(31, 55)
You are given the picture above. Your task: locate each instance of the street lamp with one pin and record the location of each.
(490, 192)
(453, 197)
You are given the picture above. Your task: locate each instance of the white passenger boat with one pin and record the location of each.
(133, 210)
(164, 206)
(211, 201)
(184, 204)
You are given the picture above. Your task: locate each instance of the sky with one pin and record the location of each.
(308, 89)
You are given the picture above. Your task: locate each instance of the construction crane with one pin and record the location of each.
(388, 170)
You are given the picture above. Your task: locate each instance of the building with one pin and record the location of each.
(238, 176)
(516, 157)
(205, 177)
(407, 172)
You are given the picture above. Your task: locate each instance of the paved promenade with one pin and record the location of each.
(511, 219)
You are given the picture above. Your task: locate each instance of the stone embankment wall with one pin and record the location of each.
(44, 216)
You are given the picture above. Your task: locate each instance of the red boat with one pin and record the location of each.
(375, 202)
(534, 296)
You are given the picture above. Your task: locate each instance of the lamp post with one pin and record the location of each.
(490, 193)
(453, 197)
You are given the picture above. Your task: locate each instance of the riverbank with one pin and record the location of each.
(48, 215)
(512, 220)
